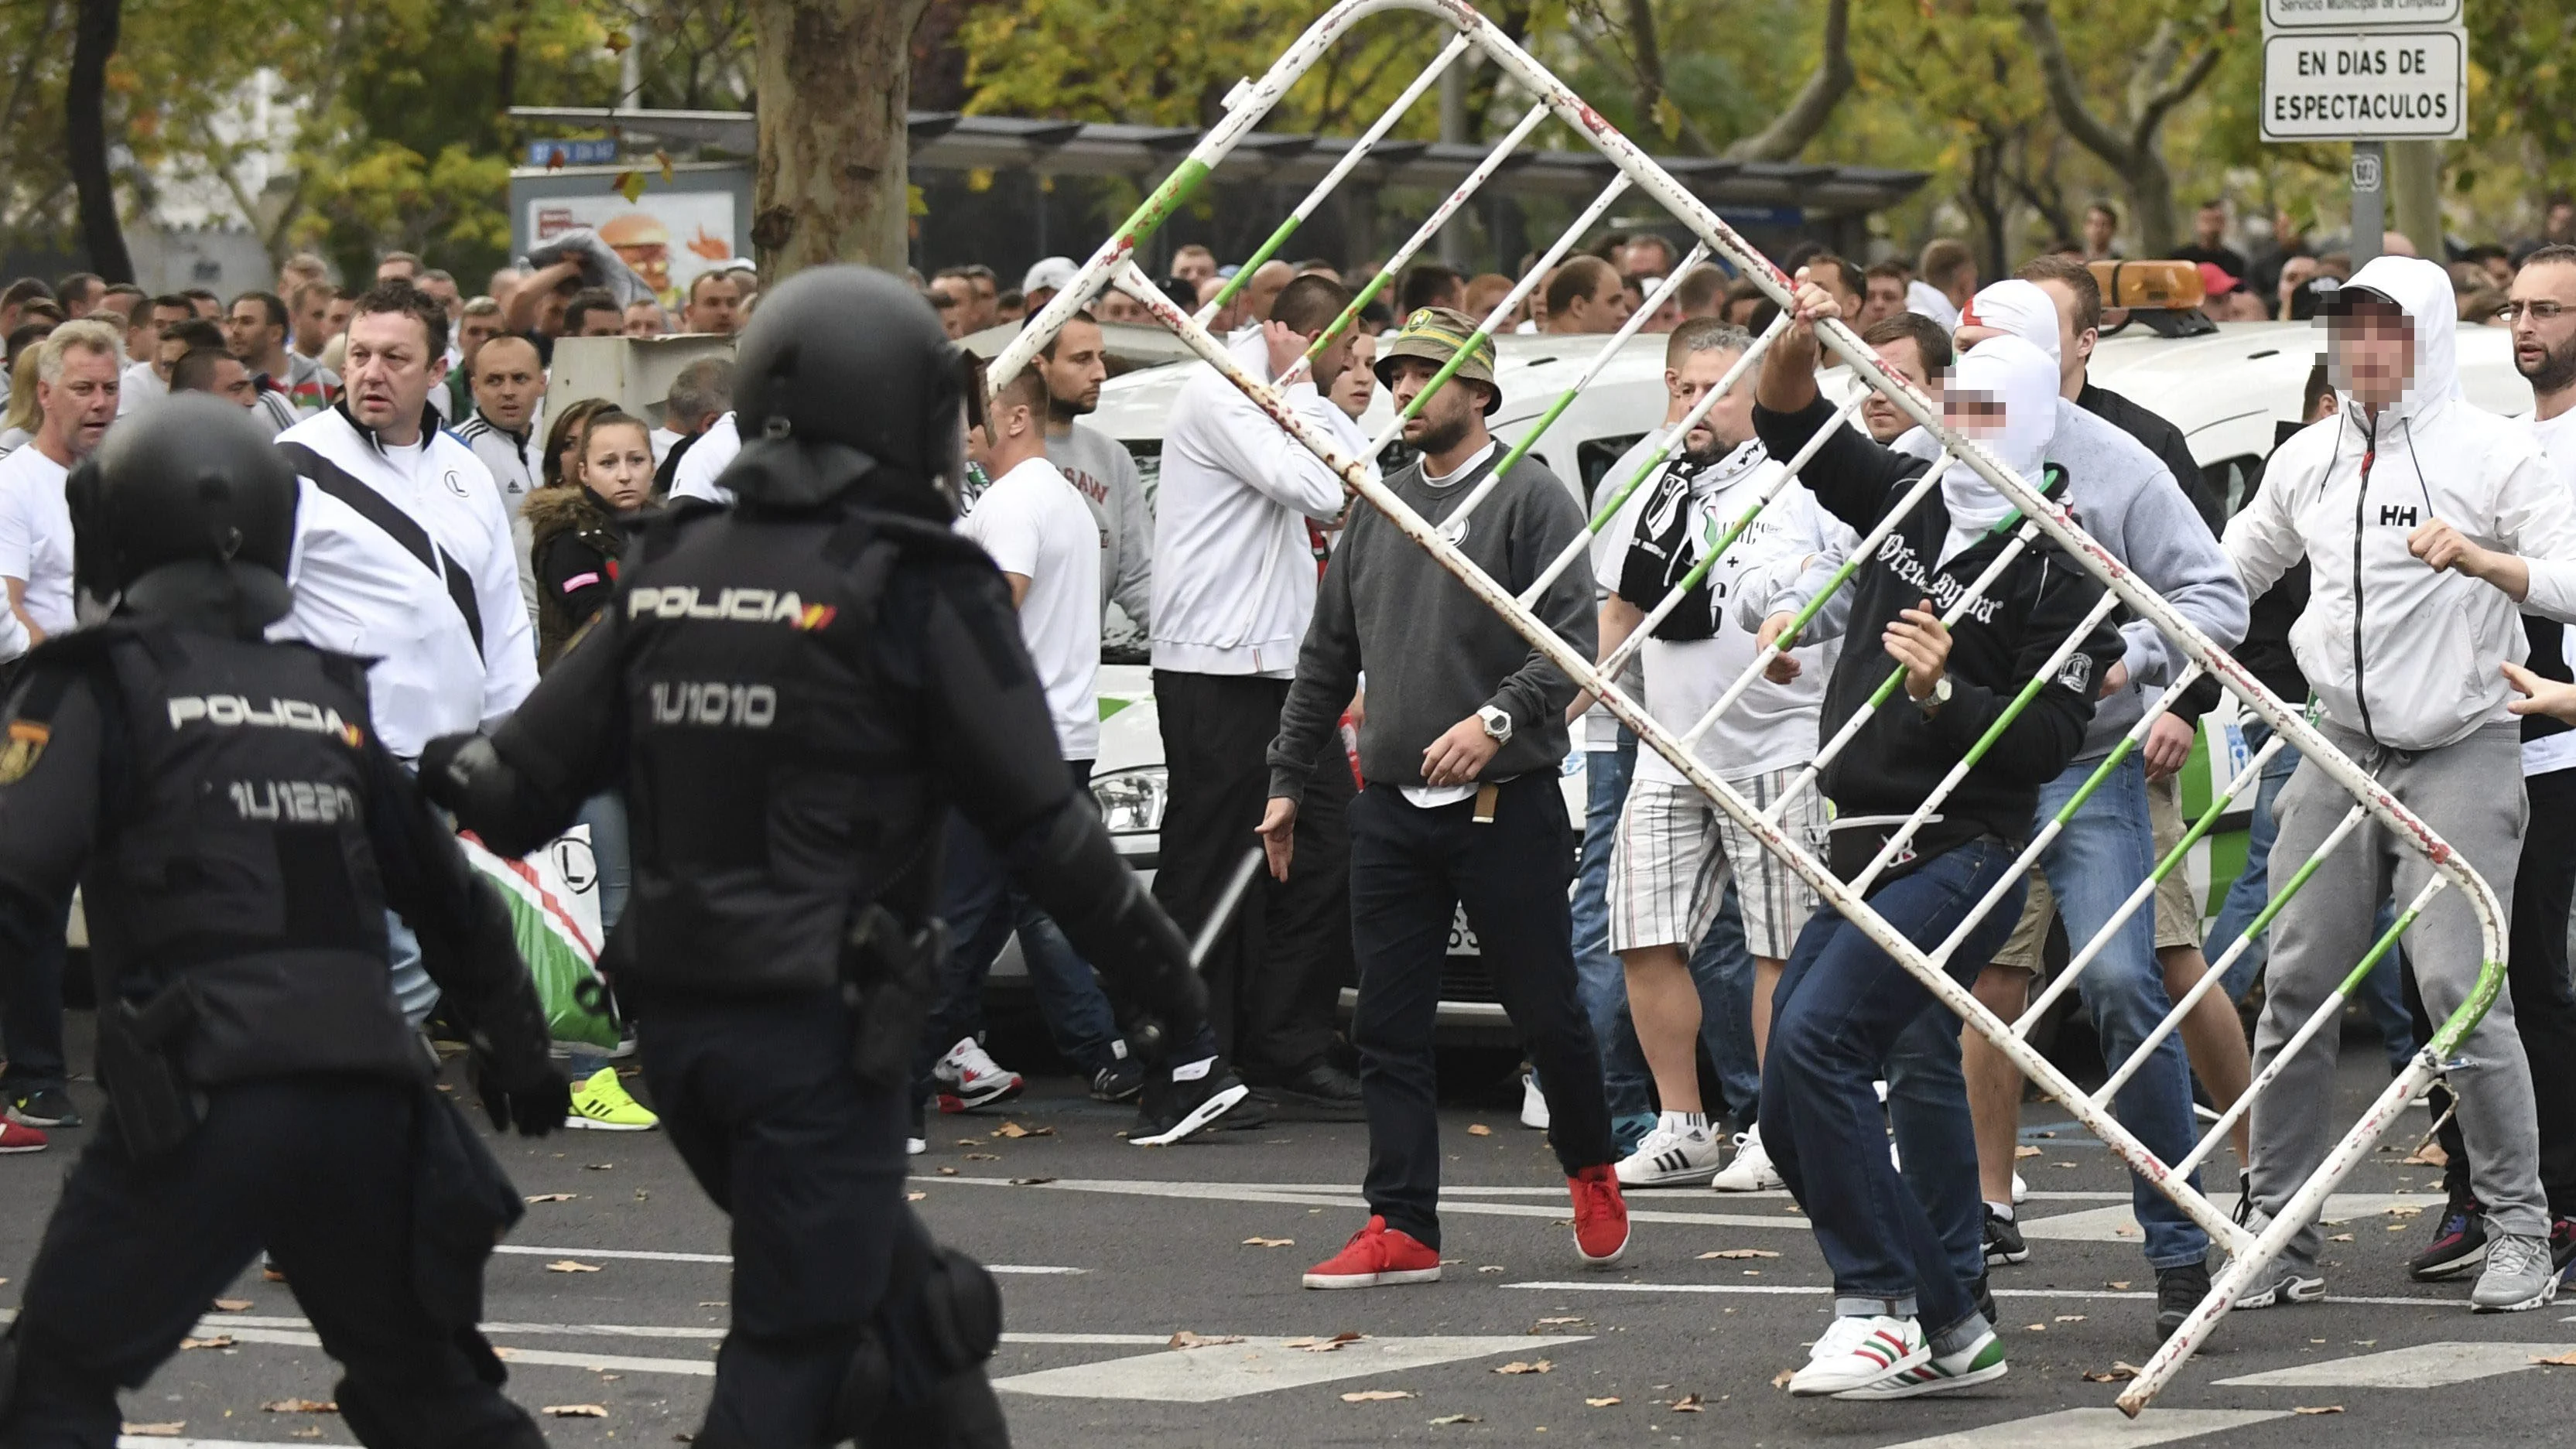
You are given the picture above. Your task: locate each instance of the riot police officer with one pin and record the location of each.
(238, 834)
(792, 694)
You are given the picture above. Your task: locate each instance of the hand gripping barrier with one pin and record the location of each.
(1251, 100)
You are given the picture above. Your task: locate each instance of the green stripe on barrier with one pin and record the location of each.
(1166, 198)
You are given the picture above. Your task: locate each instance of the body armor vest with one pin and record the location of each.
(236, 856)
(775, 777)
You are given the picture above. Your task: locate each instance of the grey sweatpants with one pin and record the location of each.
(2470, 792)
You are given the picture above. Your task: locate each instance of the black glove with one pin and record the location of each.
(441, 780)
(534, 1104)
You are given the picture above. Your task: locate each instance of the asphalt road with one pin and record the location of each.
(1108, 1251)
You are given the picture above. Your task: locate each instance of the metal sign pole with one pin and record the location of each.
(2369, 199)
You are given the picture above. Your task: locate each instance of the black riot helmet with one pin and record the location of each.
(186, 509)
(845, 384)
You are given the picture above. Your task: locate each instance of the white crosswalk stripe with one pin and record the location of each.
(1260, 1366)
(2424, 1366)
(2097, 1429)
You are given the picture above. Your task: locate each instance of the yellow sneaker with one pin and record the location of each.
(602, 1105)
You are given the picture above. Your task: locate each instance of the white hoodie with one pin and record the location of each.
(2404, 654)
(1234, 574)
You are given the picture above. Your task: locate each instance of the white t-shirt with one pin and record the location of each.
(714, 450)
(1772, 726)
(1036, 525)
(2557, 439)
(36, 536)
(138, 385)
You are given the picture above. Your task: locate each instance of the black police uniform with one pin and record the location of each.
(792, 694)
(238, 836)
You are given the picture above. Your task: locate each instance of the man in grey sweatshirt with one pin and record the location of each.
(1464, 730)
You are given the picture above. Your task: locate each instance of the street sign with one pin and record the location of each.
(572, 153)
(2367, 15)
(2391, 85)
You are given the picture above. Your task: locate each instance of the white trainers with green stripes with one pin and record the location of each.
(1980, 1362)
(1857, 1352)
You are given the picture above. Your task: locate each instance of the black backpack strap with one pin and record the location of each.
(397, 525)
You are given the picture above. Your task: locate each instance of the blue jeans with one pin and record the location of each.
(613, 858)
(1842, 1007)
(2383, 994)
(1599, 978)
(1722, 969)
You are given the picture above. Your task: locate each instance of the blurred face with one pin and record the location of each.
(2295, 274)
(87, 298)
(143, 339)
(1264, 288)
(2097, 231)
(987, 294)
(1453, 415)
(118, 306)
(78, 405)
(602, 322)
(952, 320)
(2210, 224)
(1121, 308)
(1730, 420)
(2562, 221)
(2373, 350)
(388, 373)
(1666, 316)
(1194, 266)
(1074, 375)
(444, 290)
(232, 383)
(473, 332)
(2074, 349)
(959, 291)
(392, 268)
(617, 464)
(644, 319)
(2541, 310)
(1977, 414)
(1884, 298)
(335, 317)
(249, 332)
(1357, 384)
(313, 323)
(1904, 357)
(1603, 311)
(508, 382)
(715, 305)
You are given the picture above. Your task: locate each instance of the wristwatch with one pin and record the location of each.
(1497, 722)
(1930, 704)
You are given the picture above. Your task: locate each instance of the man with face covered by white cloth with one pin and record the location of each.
(2128, 500)
(1907, 1317)
(2427, 521)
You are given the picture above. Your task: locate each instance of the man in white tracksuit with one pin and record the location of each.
(2427, 521)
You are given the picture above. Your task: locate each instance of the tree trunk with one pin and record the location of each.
(2414, 182)
(832, 82)
(85, 136)
(2160, 81)
(1814, 104)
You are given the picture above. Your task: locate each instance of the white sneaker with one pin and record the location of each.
(1858, 1352)
(2021, 1190)
(1533, 1103)
(1751, 1169)
(969, 1079)
(1980, 1362)
(1669, 1158)
(915, 1146)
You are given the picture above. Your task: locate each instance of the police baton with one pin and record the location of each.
(1226, 905)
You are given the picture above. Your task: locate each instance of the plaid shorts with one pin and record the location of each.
(1675, 852)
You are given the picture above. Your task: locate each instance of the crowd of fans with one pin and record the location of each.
(1659, 928)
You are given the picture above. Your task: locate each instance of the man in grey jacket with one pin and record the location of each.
(1459, 751)
(1075, 363)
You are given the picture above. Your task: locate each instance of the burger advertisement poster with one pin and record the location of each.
(668, 237)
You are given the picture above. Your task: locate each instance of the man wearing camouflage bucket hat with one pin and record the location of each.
(1458, 754)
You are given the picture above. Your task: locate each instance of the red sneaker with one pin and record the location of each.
(1375, 1257)
(17, 1138)
(1600, 1215)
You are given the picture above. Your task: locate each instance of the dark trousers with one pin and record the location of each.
(31, 1013)
(982, 908)
(1411, 869)
(2544, 997)
(759, 1098)
(1272, 1010)
(1307, 957)
(319, 1170)
(1840, 1009)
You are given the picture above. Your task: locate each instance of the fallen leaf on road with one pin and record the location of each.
(1491, 1268)
(2021, 1152)
(2118, 1286)
(313, 1433)
(2319, 1409)
(576, 1411)
(2036, 1327)
(1479, 1129)
(2564, 1360)
(1548, 1322)
(2061, 1164)
(1601, 1403)
(220, 1340)
(2340, 1238)
(1031, 1181)
(158, 1431)
(271, 1275)
(948, 1172)
(2124, 1231)
(982, 1157)
(1516, 1366)
(1688, 1404)
(2070, 1318)
(1014, 1129)
(1187, 1339)
(2428, 1155)
(550, 1197)
(1456, 1419)
(1324, 1345)
(1740, 1253)
(222, 1305)
(2405, 1210)
(300, 1406)
(970, 1141)
(1378, 1396)
(599, 1167)
(1270, 1242)
(914, 1196)
(1781, 1379)
(567, 1265)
